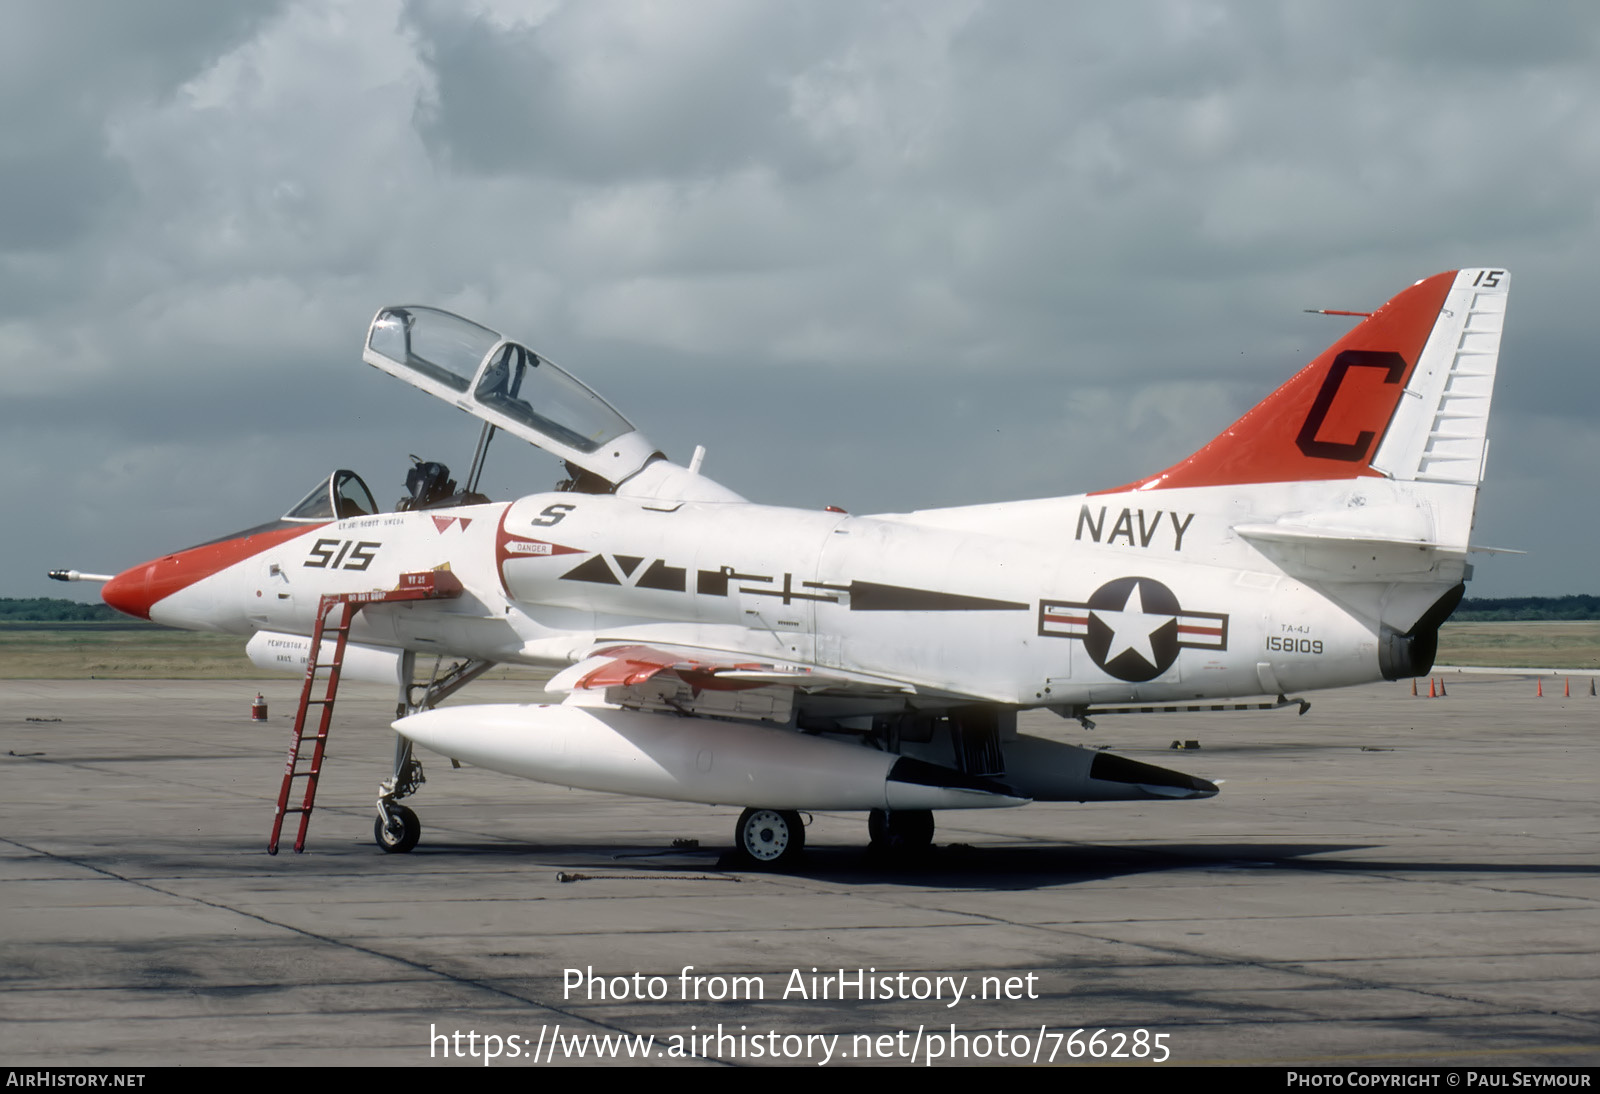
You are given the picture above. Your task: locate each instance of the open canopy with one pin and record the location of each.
(507, 385)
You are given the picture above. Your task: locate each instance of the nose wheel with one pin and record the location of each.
(770, 837)
(396, 828)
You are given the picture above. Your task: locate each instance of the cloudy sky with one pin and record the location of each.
(883, 256)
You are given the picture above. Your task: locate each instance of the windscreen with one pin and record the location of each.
(342, 494)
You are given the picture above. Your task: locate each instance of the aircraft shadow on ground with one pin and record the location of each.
(941, 866)
(965, 866)
(1039, 866)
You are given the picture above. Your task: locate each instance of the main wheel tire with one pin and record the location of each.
(770, 837)
(878, 827)
(400, 834)
(901, 831)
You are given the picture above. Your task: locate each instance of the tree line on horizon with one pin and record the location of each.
(49, 609)
(1529, 608)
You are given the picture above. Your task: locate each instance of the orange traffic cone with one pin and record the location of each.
(1413, 687)
(1541, 687)
(1442, 692)
(1566, 688)
(1430, 688)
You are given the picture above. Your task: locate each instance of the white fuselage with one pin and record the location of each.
(1129, 596)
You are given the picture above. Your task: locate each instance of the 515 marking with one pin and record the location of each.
(352, 554)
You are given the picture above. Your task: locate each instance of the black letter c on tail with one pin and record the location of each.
(1394, 367)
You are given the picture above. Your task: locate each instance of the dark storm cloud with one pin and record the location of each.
(608, 92)
(54, 190)
(1476, 35)
(64, 68)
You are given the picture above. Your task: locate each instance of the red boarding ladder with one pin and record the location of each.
(426, 585)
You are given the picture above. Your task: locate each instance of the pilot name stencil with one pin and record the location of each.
(1136, 526)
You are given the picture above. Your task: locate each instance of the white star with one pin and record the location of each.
(1132, 627)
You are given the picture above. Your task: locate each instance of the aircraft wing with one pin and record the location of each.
(631, 666)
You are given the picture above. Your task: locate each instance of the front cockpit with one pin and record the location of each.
(341, 495)
(344, 494)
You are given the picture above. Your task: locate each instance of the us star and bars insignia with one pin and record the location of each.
(1133, 627)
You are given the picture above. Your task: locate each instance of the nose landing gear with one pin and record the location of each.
(396, 828)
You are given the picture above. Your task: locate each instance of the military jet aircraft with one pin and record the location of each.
(712, 649)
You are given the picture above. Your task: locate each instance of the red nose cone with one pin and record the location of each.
(137, 590)
(129, 591)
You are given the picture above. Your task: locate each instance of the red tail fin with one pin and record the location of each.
(1328, 420)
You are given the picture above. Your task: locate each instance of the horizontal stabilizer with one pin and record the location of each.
(1288, 533)
(1318, 554)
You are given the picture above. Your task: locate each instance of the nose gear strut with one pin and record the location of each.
(396, 828)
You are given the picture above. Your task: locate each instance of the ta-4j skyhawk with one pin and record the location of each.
(712, 649)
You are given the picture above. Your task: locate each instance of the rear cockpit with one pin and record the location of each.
(509, 387)
(512, 389)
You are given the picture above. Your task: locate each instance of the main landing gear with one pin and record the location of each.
(775, 838)
(904, 831)
(772, 838)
